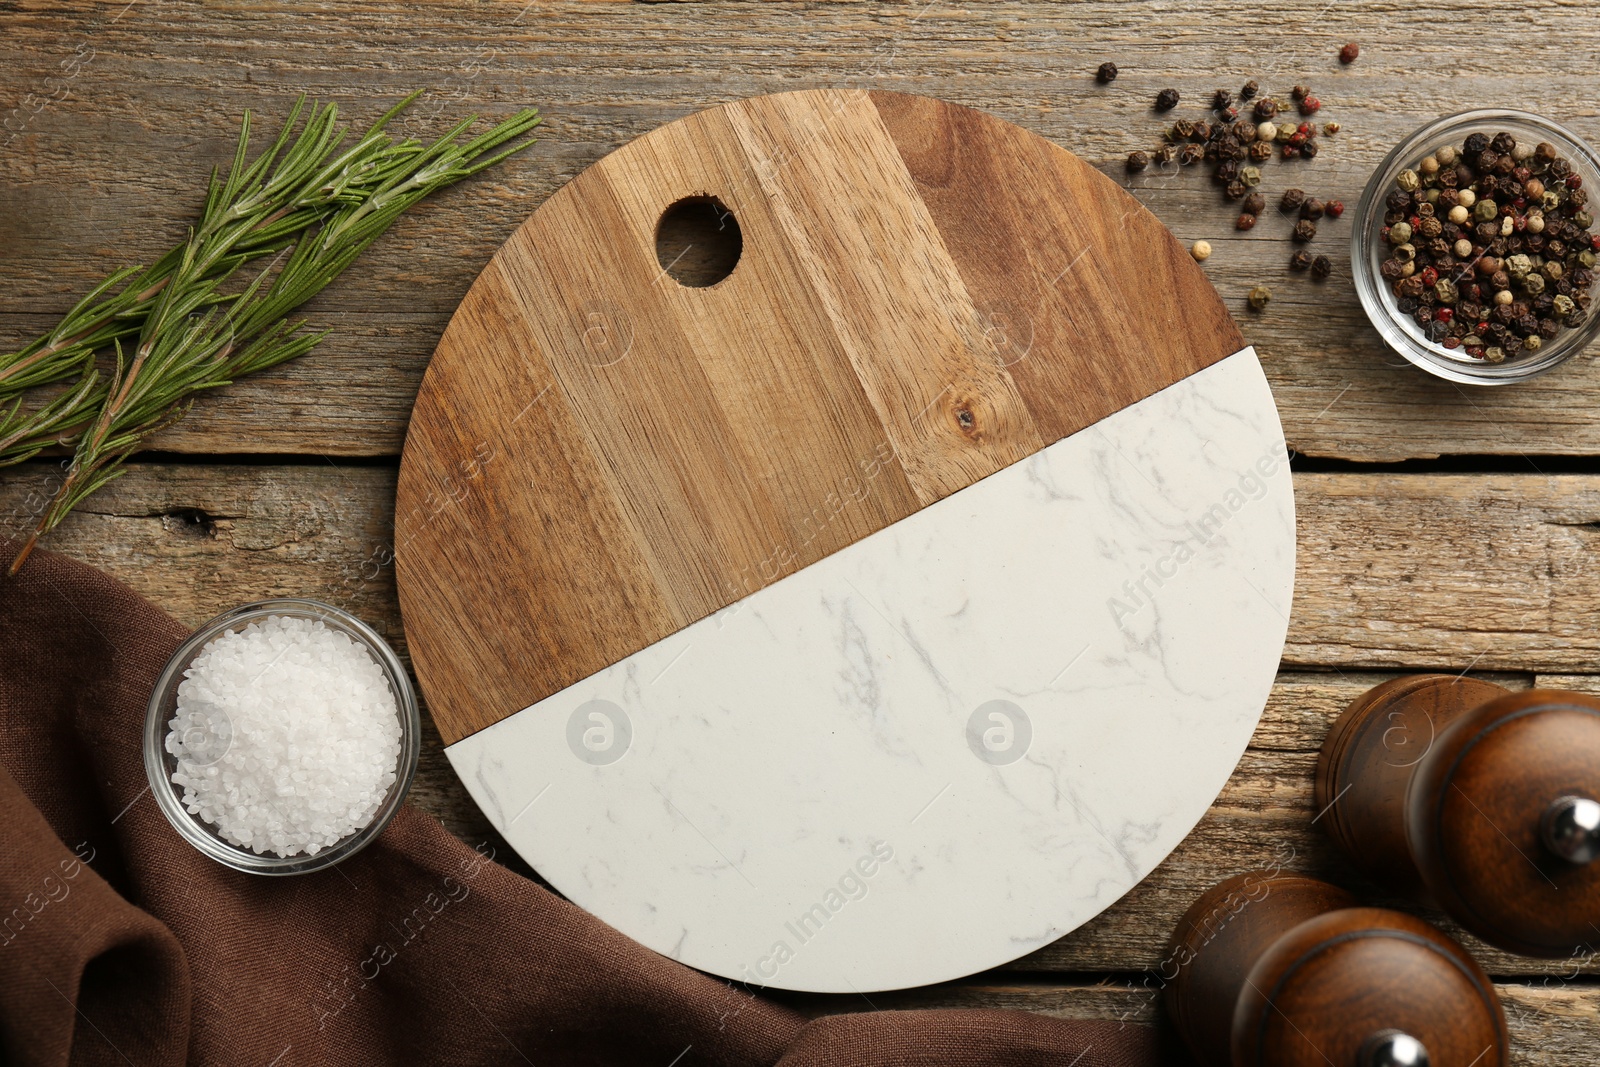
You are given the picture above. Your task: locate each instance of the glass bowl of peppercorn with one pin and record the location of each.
(1474, 254)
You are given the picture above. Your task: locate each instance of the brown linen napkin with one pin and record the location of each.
(120, 944)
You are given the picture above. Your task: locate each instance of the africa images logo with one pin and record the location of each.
(804, 928)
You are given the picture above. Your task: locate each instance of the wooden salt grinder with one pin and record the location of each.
(1279, 970)
(1481, 798)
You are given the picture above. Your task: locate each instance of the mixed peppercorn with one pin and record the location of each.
(1489, 246)
(1235, 147)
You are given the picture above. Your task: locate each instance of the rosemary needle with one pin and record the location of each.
(314, 206)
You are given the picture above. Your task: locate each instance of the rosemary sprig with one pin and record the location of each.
(320, 209)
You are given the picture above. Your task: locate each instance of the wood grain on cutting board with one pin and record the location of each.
(601, 455)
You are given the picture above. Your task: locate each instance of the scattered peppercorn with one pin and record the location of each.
(1304, 230)
(1221, 100)
(1265, 108)
(1321, 267)
(1166, 99)
(1292, 199)
(1490, 250)
(1201, 251)
(1349, 53)
(1106, 74)
(1259, 297)
(1246, 221)
(1312, 208)
(1254, 204)
(1301, 260)
(1334, 208)
(1249, 91)
(1331, 128)
(1138, 161)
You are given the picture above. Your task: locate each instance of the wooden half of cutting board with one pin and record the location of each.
(601, 455)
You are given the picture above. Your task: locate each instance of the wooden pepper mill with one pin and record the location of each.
(1282, 970)
(1482, 798)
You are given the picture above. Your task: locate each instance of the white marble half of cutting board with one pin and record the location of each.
(946, 744)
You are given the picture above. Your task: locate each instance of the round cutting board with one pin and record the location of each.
(843, 541)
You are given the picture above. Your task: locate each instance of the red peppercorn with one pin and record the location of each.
(1310, 105)
(1445, 314)
(1246, 221)
(1482, 327)
(1594, 242)
(1297, 139)
(1451, 342)
(1574, 182)
(1520, 203)
(1349, 52)
(1334, 208)
(1429, 276)
(1307, 129)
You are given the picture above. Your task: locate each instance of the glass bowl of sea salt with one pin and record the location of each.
(282, 736)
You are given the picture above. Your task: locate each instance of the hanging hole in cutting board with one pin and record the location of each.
(698, 242)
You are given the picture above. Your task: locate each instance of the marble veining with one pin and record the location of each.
(945, 745)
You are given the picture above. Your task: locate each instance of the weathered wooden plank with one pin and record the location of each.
(1554, 1024)
(1395, 570)
(151, 98)
(201, 539)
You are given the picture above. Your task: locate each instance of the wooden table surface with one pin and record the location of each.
(1440, 527)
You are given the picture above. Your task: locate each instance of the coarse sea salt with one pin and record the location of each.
(286, 736)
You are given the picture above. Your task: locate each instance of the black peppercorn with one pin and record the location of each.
(1397, 200)
(1106, 74)
(1166, 99)
(1190, 154)
(1254, 204)
(1389, 269)
(1485, 161)
(1236, 189)
(1138, 161)
(1250, 89)
(1477, 142)
(1292, 199)
(1301, 260)
(1304, 230)
(1312, 208)
(1503, 142)
(1265, 108)
(1309, 149)
(1182, 130)
(1260, 151)
(1221, 100)
(1167, 153)
(1202, 131)
(1246, 221)
(1227, 171)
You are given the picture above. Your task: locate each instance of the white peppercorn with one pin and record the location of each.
(1459, 215)
(1466, 198)
(1201, 251)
